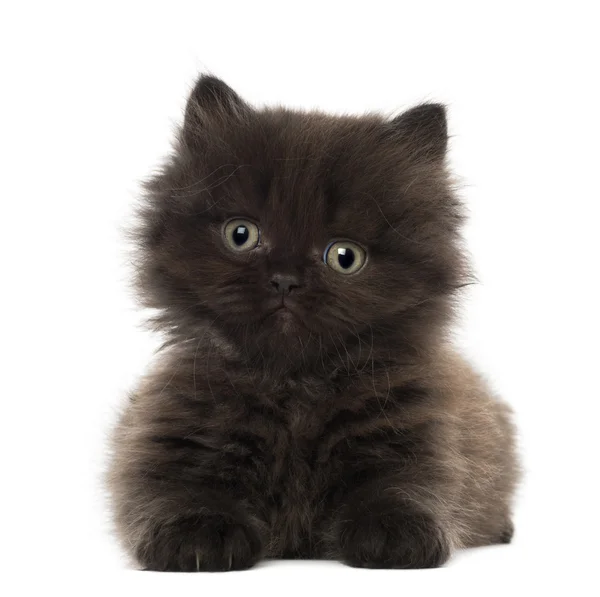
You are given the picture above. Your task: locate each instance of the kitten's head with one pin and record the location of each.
(293, 233)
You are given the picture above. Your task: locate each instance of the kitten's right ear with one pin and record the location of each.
(211, 101)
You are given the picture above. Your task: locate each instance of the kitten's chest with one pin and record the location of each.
(299, 478)
(296, 442)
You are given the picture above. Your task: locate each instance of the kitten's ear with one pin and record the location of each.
(211, 101)
(424, 129)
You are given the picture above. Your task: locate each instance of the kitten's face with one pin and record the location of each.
(284, 230)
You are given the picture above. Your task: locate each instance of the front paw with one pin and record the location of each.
(392, 538)
(210, 543)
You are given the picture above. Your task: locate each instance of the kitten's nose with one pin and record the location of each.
(284, 283)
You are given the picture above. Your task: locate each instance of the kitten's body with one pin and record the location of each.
(343, 426)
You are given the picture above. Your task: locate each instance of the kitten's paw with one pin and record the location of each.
(392, 539)
(210, 543)
(507, 533)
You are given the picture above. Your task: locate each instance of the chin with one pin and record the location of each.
(286, 322)
(285, 331)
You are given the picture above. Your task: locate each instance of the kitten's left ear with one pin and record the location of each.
(211, 102)
(424, 129)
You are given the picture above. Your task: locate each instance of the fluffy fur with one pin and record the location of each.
(343, 426)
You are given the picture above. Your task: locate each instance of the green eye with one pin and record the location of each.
(344, 256)
(241, 235)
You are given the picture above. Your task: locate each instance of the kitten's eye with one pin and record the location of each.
(241, 235)
(344, 256)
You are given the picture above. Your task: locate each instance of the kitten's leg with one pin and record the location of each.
(382, 526)
(391, 509)
(180, 499)
(216, 538)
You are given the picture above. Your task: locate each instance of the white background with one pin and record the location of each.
(90, 95)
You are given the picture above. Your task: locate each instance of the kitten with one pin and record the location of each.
(307, 403)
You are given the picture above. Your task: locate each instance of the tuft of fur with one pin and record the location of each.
(348, 428)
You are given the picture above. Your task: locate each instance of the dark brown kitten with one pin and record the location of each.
(307, 403)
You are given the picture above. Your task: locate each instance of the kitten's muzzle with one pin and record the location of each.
(284, 283)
